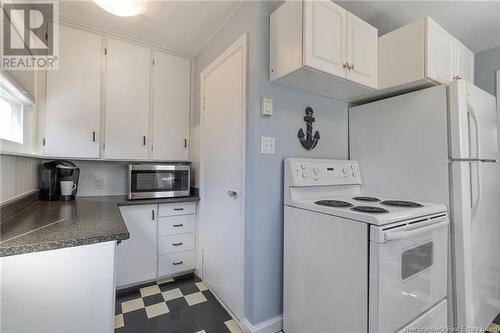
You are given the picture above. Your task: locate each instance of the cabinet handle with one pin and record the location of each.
(185, 143)
(457, 77)
(178, 225)
(93, 136)
(177, 244)
(177, 263)
(144, 140)
(153, 215)
(177, 209)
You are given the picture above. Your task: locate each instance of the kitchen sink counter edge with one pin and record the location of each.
(50, 225)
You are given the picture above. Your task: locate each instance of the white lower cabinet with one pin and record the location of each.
(158, 245)
(136, 256)
(174, 263)
(175, 243)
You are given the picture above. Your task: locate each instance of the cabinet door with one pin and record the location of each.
(74, 96)
(136, 257)
(171, 103)
(362, 51)
(127, 100)
(464, 62)
(440, 51)
(325, 37)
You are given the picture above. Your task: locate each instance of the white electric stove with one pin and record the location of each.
(357, 262)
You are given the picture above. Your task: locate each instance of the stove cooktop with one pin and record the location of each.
(401, 203)
(370, 209)
(333, 203)
(368, 199)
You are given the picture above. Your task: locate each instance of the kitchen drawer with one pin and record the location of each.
(175, 263)
(176, 225)
(173, 209)
(175, 243)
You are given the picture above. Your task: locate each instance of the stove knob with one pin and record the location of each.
(353, 167)
(303, 166)
(316, 171)
(304, 174)
(344, 170)
(354, 174)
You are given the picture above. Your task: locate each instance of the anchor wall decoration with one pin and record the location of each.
(308, 141)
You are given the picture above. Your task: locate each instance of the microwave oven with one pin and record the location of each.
(146, 181)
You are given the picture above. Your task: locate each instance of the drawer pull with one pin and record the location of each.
(177, 244)
(177, 263)
(178, 209)
(178, 225)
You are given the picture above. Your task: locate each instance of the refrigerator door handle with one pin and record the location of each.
(472, 115)
(475, 201)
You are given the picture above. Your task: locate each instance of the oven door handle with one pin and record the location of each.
(395, 235)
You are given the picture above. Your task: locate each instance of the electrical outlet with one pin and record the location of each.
(98, 183)
(268, 145)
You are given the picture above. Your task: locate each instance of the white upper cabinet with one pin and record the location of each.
(422, 54)
(440, 53)
(73, 105)
(362, 44)
(319, 47)
(127, 100)
(325, 37)
(171, 106)
(464, 62)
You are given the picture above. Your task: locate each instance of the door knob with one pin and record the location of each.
(232, 194)
(351, 67)
(346, 65)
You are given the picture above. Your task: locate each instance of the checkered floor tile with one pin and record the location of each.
(182, 305)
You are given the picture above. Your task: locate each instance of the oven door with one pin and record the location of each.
(158, 181)
(408, 271)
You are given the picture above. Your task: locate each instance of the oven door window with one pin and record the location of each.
(416, 260)
(159, 181)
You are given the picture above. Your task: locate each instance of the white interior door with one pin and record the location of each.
(223, 103)
(325, 37)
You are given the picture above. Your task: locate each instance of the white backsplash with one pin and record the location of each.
(18, 176)
(114, 175)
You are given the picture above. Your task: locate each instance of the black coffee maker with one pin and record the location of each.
(58, 180)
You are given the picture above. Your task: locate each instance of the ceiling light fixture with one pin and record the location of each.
(122, 7)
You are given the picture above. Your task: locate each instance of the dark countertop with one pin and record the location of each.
(49, 225)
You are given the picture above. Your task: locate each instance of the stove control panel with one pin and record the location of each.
(314, 172)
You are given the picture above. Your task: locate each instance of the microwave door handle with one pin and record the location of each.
(396, 235)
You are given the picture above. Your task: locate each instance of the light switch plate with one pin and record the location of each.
(268, 145)
(266, 107)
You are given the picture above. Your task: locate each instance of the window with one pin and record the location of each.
(11, 119)
(17, 117)
(416, 260)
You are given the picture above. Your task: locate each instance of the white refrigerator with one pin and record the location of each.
(440, 145)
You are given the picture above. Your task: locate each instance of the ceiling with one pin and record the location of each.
(183, 26)
(186, 26)
(475, 23)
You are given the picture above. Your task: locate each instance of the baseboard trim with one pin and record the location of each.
(272, 325)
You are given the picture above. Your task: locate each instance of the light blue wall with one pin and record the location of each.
(486, 63)
(264, 195)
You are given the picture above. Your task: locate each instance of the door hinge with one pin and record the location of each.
(105, 51)
(47, 36)
(43, 142)
(103, 146)
(151, 147)
(153, 62)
